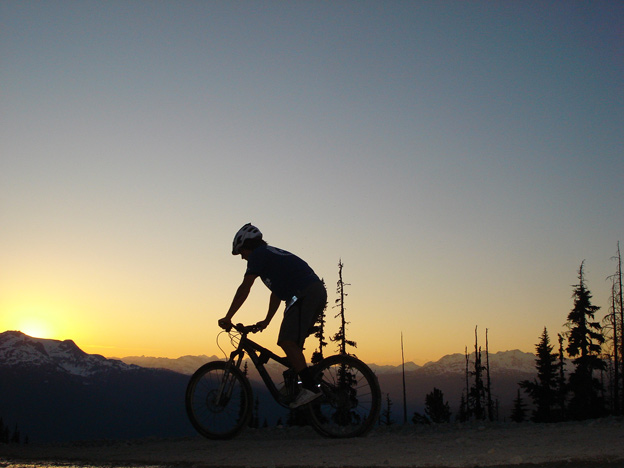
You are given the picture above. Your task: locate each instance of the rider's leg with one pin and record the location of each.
(294, 353)
(296, 324)
(310, 390)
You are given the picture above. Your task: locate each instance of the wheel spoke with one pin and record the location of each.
(350, 406)
(218, 411)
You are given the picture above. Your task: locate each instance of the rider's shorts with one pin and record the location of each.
(300, 317)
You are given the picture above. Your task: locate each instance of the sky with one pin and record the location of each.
(461, 158)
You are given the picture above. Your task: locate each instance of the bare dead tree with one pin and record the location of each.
(490, 404)
(620, 305)
(468, 408)
(617, 306)
(404, 393)
(613, 328)
(612, 348)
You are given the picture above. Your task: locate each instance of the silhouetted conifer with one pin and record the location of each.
(386, 416)
(317, 355)
(476, 396)
(518, 413)
(462, 415)
(562, 387)
(543, 389)
(436, 409)
(420, 419)
(584, 345)
(341, 336)
(16, 437)
(4, 432)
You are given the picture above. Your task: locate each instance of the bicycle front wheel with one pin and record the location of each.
(351, 400)
(218, 400)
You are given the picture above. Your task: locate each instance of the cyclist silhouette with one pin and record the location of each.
(290, 279)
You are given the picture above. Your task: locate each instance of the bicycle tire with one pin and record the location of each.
(218, 419)
(351, 400)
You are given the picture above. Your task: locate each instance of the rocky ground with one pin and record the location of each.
(577, 444)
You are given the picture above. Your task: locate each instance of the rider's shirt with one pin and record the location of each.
(283, 273)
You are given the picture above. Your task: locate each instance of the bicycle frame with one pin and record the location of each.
(259, 356)
(219, 396)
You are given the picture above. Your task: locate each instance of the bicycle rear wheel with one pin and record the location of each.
(218, 402)
(351, 398)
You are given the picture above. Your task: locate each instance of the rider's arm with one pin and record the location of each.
(274, 303)
(239, 298)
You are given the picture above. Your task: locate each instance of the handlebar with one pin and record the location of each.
(244, 329)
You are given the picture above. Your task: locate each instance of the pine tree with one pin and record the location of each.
(420, 419)
(436, 409)
(4, 432)
(317, 355)
(255, 419)
(518, 413)
(562, 388)
(387, 414)
(16, 438)
(543, 389)
(463, 415)
(584, 344)
(477, 391)
(341, 336)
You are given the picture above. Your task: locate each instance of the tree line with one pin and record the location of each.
(582, 379)
(8, 436)
(593, 387)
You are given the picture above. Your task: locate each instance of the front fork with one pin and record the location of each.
(226, 386)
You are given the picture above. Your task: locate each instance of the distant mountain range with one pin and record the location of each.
(503, 361)
(448, 374)
(54, 391)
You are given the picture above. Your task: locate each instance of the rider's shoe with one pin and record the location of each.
(304, 397)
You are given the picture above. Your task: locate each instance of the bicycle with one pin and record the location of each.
(219, 396)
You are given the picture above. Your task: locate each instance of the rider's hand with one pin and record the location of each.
(261, 325)
(225, 323)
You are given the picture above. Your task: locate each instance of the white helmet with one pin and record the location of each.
(245, 233)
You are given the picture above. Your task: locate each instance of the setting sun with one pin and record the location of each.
(36, 320)
(35, 328)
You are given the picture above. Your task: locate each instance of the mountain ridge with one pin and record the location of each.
(500, 361)
(17, 348)
(56, 391)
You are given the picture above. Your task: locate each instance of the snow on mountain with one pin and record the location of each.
(18, 349)
(503, 361)
(380, 370)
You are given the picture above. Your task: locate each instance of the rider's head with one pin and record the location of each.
(248, 238)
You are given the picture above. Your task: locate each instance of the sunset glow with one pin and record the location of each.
(461, 158)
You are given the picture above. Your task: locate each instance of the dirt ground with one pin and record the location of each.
(580, 444)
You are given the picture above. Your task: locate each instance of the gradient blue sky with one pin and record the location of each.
(461, 158)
